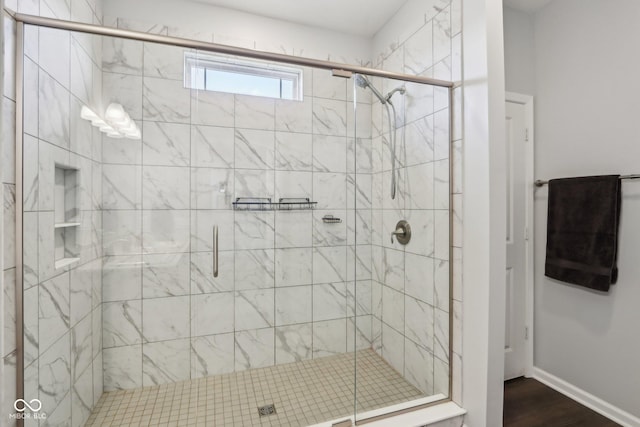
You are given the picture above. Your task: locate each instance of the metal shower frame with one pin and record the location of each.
(338, 69)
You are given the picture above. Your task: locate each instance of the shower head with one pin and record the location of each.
(364, 83)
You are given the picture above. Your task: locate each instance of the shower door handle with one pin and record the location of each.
(215, 251)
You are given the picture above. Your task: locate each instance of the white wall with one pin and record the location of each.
(237, 28)
(519, 55)
(587, 102)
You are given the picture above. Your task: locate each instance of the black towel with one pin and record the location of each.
(582, 230)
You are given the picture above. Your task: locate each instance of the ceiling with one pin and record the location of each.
(526, 5)
(358, 17)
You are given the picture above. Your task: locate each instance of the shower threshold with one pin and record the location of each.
(304, 393)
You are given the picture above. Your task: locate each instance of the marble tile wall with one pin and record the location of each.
(291, 287)
(411, 283)
(62, 308)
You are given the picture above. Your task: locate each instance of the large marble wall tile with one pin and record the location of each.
(441, 185)
(121, 151)
(254, 149)
(81, 84)
(359, 298)
(165, 275)
(329, 153)
(254, 112)
(293, 151)
(419, 277)
(359, 120)
(122, 278)
(122, 232)
(31, 331)
(55, 372)
(359, 262)
(329, 338)
(254, 183)
(202, 223)
(328, 234)
(254, 309)
(293, 266)
(122, 56)
(363, 161)
(80, 131)
(290, 184)
(125, 90)
(31, 97)
(442, 34)
(254, 230)
(165, 144)
(441, 139)
(420, 186)
(325, 85)
(394, 269)
(359, 333)
(165, 101)
(121, 323)
(96, 334)
(294, 116)
(254, 349)
(441, 238)
(329, 264)
(330, 190)
(8, 141)
(440, 376)
(254, 269)
(98, 378)
(122, 187)
(441, 285)
(329, 117)
(329, 301)
(419, 101)
(419, 321)
(362, 232)
(393, 310)
(202, 280)
(165, 231)
(441, 334)
(122, 367)
(393, 347)
(9, 311)
(293, 305)
(81, 352)
(293, 229)
(165, 318)
(418, 50)
(422, 229)
(163, 187)
(419, 141)
(82, 398)
(293, 343)
(211, 188)
(80, 292)
(9, 225)
(165, 362)
(55, 55)
(205, 320)
(163, 61)
(418, 367)
(54, 310)
(53, 112)
(212, 355)
(212, 146)
(212, 108)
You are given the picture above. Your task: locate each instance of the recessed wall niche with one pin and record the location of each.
(66, 216)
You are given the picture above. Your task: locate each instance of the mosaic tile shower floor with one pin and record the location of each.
(304, 393)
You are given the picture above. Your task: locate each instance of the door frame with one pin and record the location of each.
(527, 102)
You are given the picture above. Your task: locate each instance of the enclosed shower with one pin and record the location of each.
(271, 248)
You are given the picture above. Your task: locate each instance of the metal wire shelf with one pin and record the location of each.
(265, 204)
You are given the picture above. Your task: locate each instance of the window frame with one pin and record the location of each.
(255, 68)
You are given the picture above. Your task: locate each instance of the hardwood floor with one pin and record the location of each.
(529, 403)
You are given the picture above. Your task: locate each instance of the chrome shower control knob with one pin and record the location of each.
(402, 232)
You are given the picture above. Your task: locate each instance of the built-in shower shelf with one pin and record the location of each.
(62, 263)
(66, 224)
(265, 204)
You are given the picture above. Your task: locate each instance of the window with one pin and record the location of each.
(246, 77)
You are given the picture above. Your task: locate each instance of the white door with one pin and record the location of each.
(515, 333)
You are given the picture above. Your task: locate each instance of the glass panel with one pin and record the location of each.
(403, 294)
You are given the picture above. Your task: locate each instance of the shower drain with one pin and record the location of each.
(267, 410)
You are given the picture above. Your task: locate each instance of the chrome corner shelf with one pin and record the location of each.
(265, 204)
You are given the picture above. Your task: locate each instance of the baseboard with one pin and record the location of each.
(587, 399)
